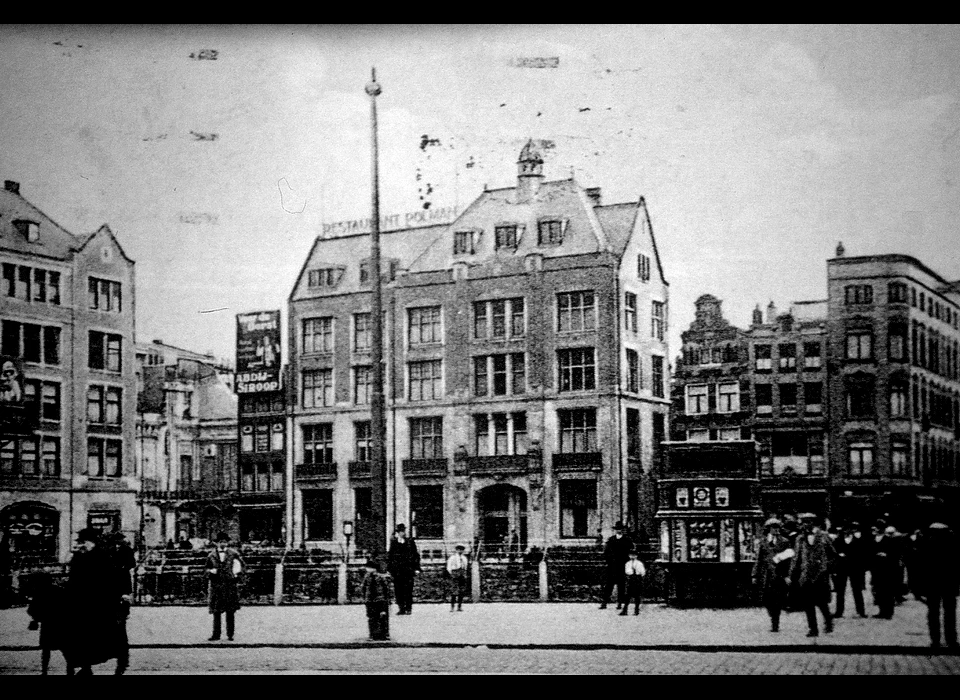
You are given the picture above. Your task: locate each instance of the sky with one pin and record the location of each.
(216, 154)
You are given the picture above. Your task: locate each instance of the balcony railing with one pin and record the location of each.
(425, 467)
(578, 461)
(185, 494)
(321, 470)
(498, 464)
(360, 470)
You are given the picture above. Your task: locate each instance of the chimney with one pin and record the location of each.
(11, 186)
(529, 172)
(771, 313)
(593, 193)
(757, 316)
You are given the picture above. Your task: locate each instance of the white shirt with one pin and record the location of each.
(456, 562)
(634, 567)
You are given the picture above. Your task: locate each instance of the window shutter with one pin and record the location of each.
(712, 390)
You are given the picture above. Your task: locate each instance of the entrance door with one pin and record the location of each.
(502, 519)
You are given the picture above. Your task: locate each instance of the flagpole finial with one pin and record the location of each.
(373, 87)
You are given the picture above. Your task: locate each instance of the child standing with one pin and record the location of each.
(634, 573)
(377, 594)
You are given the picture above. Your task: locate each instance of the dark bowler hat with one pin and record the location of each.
(632, 550)
(222, 537)
(460, 548)
(618, 525)
(371, 564)
(88, 534)
(401, 528)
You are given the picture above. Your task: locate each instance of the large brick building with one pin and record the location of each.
(67, 316)
(526, 371)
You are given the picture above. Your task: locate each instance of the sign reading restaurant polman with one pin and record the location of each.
(258, 352)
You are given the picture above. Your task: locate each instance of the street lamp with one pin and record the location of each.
(348, 533)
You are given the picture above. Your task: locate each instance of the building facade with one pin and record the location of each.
(526, 372)
(67, 315)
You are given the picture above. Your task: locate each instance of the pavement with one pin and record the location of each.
(557, 626)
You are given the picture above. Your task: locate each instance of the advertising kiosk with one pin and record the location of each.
(709, 520)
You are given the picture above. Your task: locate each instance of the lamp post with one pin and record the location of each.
(348, 533)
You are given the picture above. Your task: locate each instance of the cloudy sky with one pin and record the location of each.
(216, 154)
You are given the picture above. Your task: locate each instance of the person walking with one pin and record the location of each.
(634, 572)
(940, 582)
(122, 564)
(48, 614)
(851, 566)
(616, 553)
(376, 593)
(883, 572)
(224, 569)
(810, 573)
(403, 565)
(913, 565)
(771, 569)
(457, 568)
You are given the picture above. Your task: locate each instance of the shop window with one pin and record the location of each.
(578, 508)
(704, 540)
(318, 514)
(426, 512)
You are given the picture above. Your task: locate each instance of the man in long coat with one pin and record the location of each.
(939, 581)
(95, 600)
(224, 568)
(771, 569)
(813, 562)
(851, 566)
(616, 554)
(883, 571)
(403, 565)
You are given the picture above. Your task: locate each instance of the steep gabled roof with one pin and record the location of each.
(618, 221)
(54, 240)
(105, 231)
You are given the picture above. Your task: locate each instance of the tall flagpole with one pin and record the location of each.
(378, 423)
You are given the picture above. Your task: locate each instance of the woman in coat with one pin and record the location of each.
(771, 569)
(224, 568)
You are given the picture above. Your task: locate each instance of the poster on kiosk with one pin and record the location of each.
(258, 352)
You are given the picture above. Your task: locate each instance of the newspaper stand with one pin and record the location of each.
(709, 520)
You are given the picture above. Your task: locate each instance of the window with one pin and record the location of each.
(578, 430)
(103, 404)
(643, 267)
(788, 398)
(103, 457)
(811, 356)
(505, 236)
(859, 345)
(860, 460)
(858, 294)
(19, 456)
(362, 384)
(103, 295)
(39, 344)
(787, 353)
(276, 437)
(550, 232)
(261, 437)
(813, 397)
(658, 320)
(426, 511)
(424, 325)
(656, 371)
(900, 458)
(104, 351)
(498, 375)
(318, 443)
(362, 441)
(318, 514)
(633, 371)
(898, 401)
(763, 357)
(634, 437)
(426, 438)
(318, 335)
(30, 230)
(764, 398)
(897, 293)
(388, 270)
(576, 369)
(578, 508)
(897, 342)
(317, 386)
(46, 395)
(630, 311)
(463, 243)
(31, 284)
(859, 394)
(499, 318)
(426, 380)
(697, 399)
(325, 277)
(362, 332)
(500, 434)
(576, 311)
(728, 397)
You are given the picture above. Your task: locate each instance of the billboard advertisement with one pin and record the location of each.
(258, 352)
(18, 413)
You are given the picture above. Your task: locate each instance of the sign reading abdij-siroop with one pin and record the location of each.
(258, 352)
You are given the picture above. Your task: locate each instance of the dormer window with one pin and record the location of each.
(389, 268)
(506, 236)
(325, 276)
(28, 229)
(463, 243)
(550, 232)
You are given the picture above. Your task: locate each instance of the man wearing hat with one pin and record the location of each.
(851, 566)
(403, 564)
(940, 582)
(883, 571)
(616, 553)
(224, 568)
(810, 571)
(770, 571)
(634, 572)
(457, 574)
(376, 593)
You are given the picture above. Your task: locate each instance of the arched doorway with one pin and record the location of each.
(30, 530)
(502, 518)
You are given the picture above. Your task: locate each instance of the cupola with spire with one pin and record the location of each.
(529, 171)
